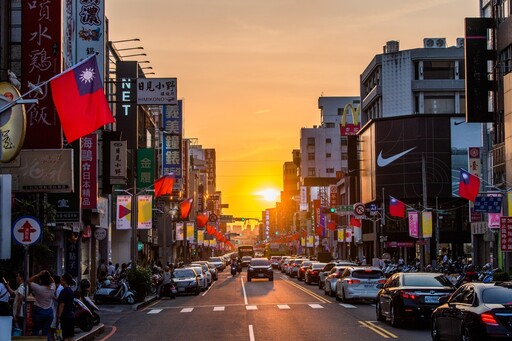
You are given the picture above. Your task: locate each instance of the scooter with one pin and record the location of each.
(83, 316)
(82, 293)
(116, 294)
(233, 269)
(169, 290)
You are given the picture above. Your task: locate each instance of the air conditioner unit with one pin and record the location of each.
(460, 42)
(434, 43)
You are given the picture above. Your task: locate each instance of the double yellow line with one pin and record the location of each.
(309, 292)
(379, 330)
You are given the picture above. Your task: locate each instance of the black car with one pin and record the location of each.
(260, 268)
(476, 311)
(313, 272)
(411, 295)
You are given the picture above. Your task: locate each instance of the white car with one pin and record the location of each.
(332, 278)
(359, 283)
(206, 271)
(218, 262)
(203, 281)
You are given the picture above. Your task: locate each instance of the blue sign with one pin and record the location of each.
(373, 207)
(172, 152)
(488, 204)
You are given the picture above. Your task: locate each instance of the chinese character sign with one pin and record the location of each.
(156, 91)
(89, 153)
(118, 163)
(145, 167)
(506, 233)
(413, 224)
(90, 31)
(172, 155)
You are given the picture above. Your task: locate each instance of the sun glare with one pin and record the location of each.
(270, 195)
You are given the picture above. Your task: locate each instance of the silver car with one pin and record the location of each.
(359, 283)
(332, 278)
(325, 272)
(218, 262)
(204, 283)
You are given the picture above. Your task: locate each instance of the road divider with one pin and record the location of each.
(307, 291)
(377, 329)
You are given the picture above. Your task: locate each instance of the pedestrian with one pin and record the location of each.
(43, 288)
(19, 296)
(111, 270)
(5, 295)
(102, 271)
(166, 281)
(55, 305)
(65, 316)
(363, 262)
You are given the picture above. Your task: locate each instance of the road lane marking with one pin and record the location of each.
(283, 306)
(316, 306)
(154, 311)
(251, 333)
(377, 329)
(309, 292)
(208, 289)
(186, 310)
(251, 307)
(243, 289)
(349, 306)
(219, 308)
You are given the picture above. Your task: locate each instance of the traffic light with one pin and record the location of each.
(243, 219)
(333, 210)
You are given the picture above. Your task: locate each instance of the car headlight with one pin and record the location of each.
(250, 268)
(269, 268)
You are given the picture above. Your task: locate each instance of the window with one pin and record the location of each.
(327, 155)
(329, 170)
(311, 172)
(328, 140)
(311, 141)
(311, 156)
(438, 69)
(330, 125)
(439, 104)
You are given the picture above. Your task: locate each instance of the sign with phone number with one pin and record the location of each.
(506, 234)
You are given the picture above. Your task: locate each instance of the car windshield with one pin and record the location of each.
(367, 274)
(411, 280)
(317, 266)
(246, 258)
(497, 295)
(184, 273)
(215, 259)
(260, 262)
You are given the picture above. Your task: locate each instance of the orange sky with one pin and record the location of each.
(250, 72)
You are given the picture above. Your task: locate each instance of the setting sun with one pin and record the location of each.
(270, 194)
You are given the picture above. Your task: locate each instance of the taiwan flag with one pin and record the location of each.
(163, 185)
(396, 207)
(469, 185)
(185, 208)
(79, 99)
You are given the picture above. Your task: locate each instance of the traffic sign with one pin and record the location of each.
(26, 230)
(345, 208)
(100, 233)
(373, 209)
(359, 209)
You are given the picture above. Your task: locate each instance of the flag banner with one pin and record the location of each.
(190, 231)
(124, 212)
(185, 208)
(341, 236)
(179, 231)
(144, 212)
(310, 241)
(413, 224)
(200, 237)
(358, 234)
(355, 222)
(201, 219)
(426, 224)
(331, 225)
(493, 220)
(396, 208)
(163, 185)
(348, 235)
(469, 185)
(488, 204)
(80, 101)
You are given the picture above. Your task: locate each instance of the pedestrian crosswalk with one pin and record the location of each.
(246, 307)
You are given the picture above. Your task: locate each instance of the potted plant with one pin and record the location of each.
(139, 280)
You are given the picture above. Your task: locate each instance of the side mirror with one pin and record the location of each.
(380, 286)
(443, 299)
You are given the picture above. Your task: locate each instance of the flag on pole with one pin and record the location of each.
(355, 222)
(201, 219)
(163, 185)
(396, 207)
(469, 185)
(79, 99)
(185, 207)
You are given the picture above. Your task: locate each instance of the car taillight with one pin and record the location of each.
(353, 281)
(381, 281)
(409, 295)
(314, 272)
(489, 319)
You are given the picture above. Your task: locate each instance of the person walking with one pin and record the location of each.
(43, 288)
(19, 296)
(111, 269)
(5, 295)
(55, 304)
(65, 315)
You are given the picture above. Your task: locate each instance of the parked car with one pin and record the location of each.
(210, 267)
(219, 263)
(285, 264)
(293, 267)
(260, 268)
(411, 295)
(275, 260)
(203, 280)
(301, 271)
(328, 268)
(359, 283)
(186, 281)
(332, 278)
(476, 311)
(313, 272)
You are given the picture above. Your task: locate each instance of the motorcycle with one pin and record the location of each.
(116, 294)
(169, 290)
(233, 269)
(83, 316)
(82, 293)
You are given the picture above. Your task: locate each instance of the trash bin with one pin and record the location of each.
(5, 328)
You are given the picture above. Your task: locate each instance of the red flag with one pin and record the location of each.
(201, 219)
(469, 185)
(210, 229)
(355, 222)
(163, 185)
(396, 207)
(319, 230)
(185, 207)
(331, 225)
(79, 99)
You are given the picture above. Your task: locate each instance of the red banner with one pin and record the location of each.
(89, 163)
(506, 233)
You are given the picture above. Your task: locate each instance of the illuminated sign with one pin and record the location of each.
(350, 129)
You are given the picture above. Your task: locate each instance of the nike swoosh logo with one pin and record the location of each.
(383, 162)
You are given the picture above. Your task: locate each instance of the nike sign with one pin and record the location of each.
(383, 162)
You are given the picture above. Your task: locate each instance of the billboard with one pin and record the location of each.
(126, 102)
(172, 147)
(156, 91)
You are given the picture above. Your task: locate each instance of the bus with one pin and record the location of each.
(245, 250)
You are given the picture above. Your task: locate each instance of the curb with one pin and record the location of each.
(91, 335)
(147, 301)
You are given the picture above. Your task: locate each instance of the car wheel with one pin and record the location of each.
(435, 331)
(325, 291)
(466, 335)
(380, 317)
(336, 295)
(344, 297)
(393, 318)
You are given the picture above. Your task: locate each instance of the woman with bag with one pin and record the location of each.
(65, 316)
(42, 313)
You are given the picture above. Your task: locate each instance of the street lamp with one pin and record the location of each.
(174, 213)
(131, 48)
(124, 41)
(135, 55)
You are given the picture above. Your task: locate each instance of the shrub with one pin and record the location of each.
(139, 280)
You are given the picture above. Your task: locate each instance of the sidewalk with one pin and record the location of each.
(99, 329)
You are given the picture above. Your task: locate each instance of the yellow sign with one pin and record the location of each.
(12, 123)
(426, 224)
(350, 129)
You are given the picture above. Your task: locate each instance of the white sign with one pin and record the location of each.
(100, 234)
(156, 91)
(118, 164)
(26, 230)
(303, 198)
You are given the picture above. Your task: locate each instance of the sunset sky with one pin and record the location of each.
(250, 72)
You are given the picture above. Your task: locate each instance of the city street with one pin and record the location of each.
(234, 309)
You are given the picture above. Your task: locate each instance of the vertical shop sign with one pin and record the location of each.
(89, 170)
(172, 152)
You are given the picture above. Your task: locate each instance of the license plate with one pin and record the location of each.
(431, 299)
(261, 275)
(181, 289)
(369, 285)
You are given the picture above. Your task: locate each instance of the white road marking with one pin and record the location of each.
(349, 306)
(243, 289)
(219, 308)
(316, 306)
(251, 333)
(208, 289)
(283, 306)
(373, 305)
(186, 310)
(251, 307)
(154, 311)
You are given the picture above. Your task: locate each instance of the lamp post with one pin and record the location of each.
(173, 213)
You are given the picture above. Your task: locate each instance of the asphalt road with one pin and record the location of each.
(234, 309)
